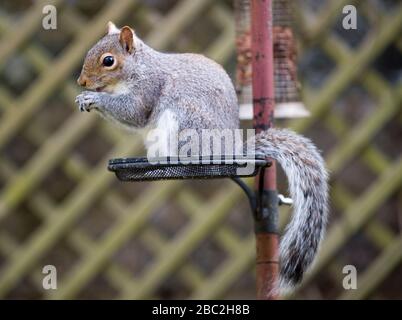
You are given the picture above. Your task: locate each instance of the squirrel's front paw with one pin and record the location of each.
(87, 100)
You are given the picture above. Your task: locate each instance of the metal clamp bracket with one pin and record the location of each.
(264, 204)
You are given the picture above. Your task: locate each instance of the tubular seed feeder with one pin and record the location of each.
(264, 201)
(287, 88)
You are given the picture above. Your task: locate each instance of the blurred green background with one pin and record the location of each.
(190, 239)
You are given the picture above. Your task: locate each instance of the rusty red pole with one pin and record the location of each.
(267, 260)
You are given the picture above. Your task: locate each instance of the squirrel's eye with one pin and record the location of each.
(108, 61)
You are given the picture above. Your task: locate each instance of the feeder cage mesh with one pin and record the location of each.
(243, 47)
(287, 88)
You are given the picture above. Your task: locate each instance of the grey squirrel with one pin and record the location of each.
(136, 86)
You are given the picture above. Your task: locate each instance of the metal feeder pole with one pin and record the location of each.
(266, 215)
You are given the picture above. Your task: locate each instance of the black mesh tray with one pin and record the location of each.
(144, 169)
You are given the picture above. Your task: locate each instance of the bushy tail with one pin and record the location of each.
(308, 187)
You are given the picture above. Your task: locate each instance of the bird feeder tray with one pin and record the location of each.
(199, 167)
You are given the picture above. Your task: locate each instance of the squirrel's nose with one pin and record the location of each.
(82, 80)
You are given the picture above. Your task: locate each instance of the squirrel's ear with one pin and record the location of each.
(112, 29)
(127, 39)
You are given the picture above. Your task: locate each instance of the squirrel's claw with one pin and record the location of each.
(86, 100)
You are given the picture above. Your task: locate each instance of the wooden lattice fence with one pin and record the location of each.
(178, 239)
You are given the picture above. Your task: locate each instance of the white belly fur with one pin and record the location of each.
(165, 128)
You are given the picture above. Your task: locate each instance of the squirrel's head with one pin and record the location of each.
(105, 61)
